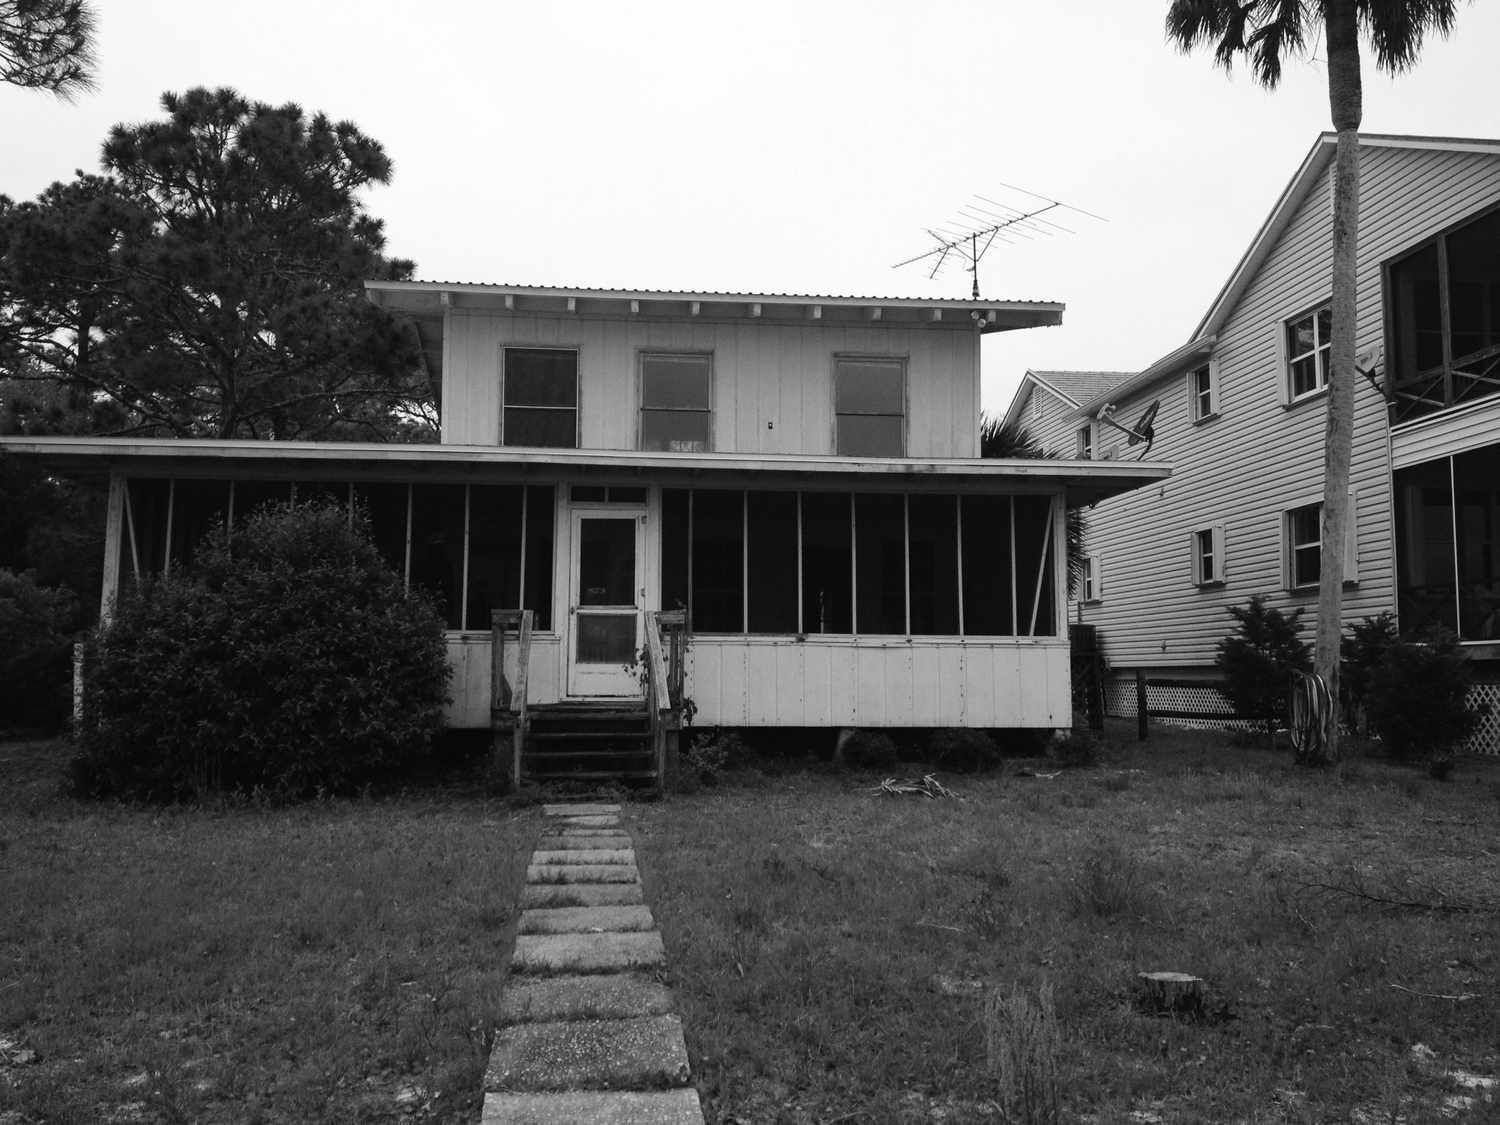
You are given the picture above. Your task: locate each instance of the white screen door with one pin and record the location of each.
(605, 602)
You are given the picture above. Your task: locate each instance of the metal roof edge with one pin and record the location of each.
(1169, 364)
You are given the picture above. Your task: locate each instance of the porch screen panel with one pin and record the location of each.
(827, 561)
(1475, 475)
(718, 562)
(143, 539)
(198, 506)
(1035, 581)
(540, 544)
(1424, 545)
(494, 552)
(880, 564)
(437, 546)
(988, 563)
(1474, 290)
(674, 548)
(771, 555)
(934, 564)
(250, 496)
(383, 506)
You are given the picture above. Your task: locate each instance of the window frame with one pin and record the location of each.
(1197, 392)
(1208, 556)
(1091, 585)
(645, 354)
(1288, 546)
(1321, 353)
(1083, 442)
(577, 407)
(903, 363)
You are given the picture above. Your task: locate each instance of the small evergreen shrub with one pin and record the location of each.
(1416, 700)
(962, 749)
(707, 757)
(288, 660)
(870, 750)
(1076, 749)
(37, 627)
(1361, 653)
(1258, 659)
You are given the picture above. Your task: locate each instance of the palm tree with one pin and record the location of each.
(997, 440)
(1266, 32)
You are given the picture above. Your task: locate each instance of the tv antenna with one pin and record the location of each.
(983, 220)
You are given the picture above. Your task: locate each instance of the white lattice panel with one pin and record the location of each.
(1119, 701)
(1485, 698)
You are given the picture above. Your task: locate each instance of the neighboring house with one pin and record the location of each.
(1241, 414)
(1045, 407)
(799, 473)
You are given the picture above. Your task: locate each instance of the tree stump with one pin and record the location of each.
(1170, 994)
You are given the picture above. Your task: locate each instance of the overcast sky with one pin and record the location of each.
(778, 147)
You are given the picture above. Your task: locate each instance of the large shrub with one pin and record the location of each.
(37, 627)
(1416, 698)
(1258, 659)
(1362, 652)
(288, 659)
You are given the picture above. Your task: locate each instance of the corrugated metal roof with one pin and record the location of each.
(685, 294)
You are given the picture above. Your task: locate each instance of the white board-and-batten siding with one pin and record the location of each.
(772, 383)
(1261, 457)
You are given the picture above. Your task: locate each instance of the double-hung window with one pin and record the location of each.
(540, 389)
(1208, 556)
(676, 402)
(869, 406)
(1307, 353)
(1304, 545)
(1084, 444)
(1203, 393)
(1091, 585)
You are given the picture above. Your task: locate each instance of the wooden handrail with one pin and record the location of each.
(656, 666)
(506, 699)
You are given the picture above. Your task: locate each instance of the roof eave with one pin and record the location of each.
(1173, 363)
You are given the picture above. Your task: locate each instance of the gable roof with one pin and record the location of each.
(1308, 175)
(1072, 388)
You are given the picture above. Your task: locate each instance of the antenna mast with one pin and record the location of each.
(981, 221)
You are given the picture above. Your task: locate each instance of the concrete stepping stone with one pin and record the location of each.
(580, 809)
(635, 1054)
(661, 1107)
(606, 996)
(583, 855)
(582, 873)
(587, 953)
(582, 843)
(540, 896)
(600, 821)
(587, 920)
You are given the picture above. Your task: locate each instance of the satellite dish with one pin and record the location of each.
(1142, 431)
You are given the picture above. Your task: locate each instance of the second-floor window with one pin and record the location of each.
(1091, 582)
(1208, 556)
(1084, 445)
(869, 406)
(540, 389)
(1203, 395)
(676, 403)
(1307, 343)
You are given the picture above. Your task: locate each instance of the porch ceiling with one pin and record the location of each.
(1085, 481)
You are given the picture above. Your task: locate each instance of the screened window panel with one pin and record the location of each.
(437, 545)
(880, 562)
(606, 562)
(1418, 313)
(1474, 285)
(772, 556)
(148, 521)
(675, 382)
(198, 507)
(494, 552)
(250, 496)
(674, 548)
(989, 608)
(605, 639)
(1036, 612)
(870, 435)
(549, 429)
(1478, 500)
(384, 507)
(827, 562)
(541, 377)
(718, 562)
(1425, 547)
(934, 564)
(539, 551)
(869, 387)
(676, 431)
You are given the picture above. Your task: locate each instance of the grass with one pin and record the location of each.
(846, 957)
(334, 962)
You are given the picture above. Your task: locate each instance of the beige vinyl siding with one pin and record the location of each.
(1260, 458)
(773, 383)
(1057, 425)
(1440, 435)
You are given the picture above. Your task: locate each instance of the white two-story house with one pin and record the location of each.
(798, 475)
(1240, 414)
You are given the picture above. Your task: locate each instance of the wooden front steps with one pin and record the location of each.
(586, 740)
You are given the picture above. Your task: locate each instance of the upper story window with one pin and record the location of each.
(1091, 581)
(540, 389)
(869, 406)
(1203, 393)
(1445, 320)
(1307, 343)
(676, 403)
(1084, 445)
(1208, 556)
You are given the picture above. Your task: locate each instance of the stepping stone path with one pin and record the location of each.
(587, 1033)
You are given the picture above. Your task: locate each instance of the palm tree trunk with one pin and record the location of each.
(1345, 102)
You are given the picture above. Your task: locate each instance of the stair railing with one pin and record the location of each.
(508, 702)
(666, 659)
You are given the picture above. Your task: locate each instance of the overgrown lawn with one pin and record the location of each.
(335, 962)
(846, 957)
